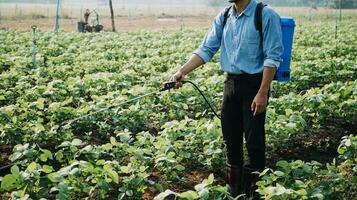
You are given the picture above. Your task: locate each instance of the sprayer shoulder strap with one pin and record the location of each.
(226, 15)
(258, 17)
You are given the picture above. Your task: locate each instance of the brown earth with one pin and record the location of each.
(123, 24)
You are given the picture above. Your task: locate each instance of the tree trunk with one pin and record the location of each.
(112, 15)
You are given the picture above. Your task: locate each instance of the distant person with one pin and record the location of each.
(86, 16)
(250, 62)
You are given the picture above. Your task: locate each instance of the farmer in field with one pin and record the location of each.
(250, 61)
(86, 16)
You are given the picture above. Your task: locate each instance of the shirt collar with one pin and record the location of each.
(248, 10)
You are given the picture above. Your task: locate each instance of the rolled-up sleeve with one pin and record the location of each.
(272, 43)
(212, 40)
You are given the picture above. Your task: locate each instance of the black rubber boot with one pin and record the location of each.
(234, 180)
(250, 180)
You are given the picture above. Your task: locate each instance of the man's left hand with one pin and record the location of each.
(259, 104)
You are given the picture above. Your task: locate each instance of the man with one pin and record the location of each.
(250, 62)
(87, 26)
(86, 16)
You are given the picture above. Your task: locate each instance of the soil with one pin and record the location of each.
(123, 24)
(312, 144)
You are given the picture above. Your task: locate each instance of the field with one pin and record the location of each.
(170, 144)
(132, 17)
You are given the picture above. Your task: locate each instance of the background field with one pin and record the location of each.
(138, 16)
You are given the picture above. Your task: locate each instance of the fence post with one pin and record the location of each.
(112, 15)
(57, 16)
(34, 27)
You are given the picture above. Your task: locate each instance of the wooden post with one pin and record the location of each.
(112, 15)
(34, 27)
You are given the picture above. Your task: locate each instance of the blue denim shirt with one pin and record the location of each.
(242, 50)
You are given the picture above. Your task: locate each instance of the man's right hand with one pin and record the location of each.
(194, 62)
(177, 78)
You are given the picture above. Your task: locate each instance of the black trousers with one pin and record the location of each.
(237, 118)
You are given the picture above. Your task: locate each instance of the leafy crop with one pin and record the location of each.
(153, 146)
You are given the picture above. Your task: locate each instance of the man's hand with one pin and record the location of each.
(194, 62)
(259, 104)
(177, 78)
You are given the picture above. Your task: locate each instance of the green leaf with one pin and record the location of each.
(125, 169)
(15, 170)
(164, 195)
(47, 169)
(318, 196)
(279, 189)
(189, 195)
(264, 172)
(32, 167)
(63, 191)
(302, 192)
(65, 144)
(185, 106)
(46, 155)
(283, 164)
(348, 143)
(142, 168)
(204, 194)
(288, 112)
(279, 173)
(59, 156)
(100, 162)
(107, 147)
(55, 177)
(9, 182)
(15, 156)
(114, 142)
(180, 167)
(130, 193)
(159, 187)
(210, 179)
(291, 125)
(76, 142)
(112, 174)
(40, 104)
(200, 186)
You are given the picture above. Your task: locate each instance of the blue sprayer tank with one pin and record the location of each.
(288, 28)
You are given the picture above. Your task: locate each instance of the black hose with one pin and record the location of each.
(207, 102)
(6, 169)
